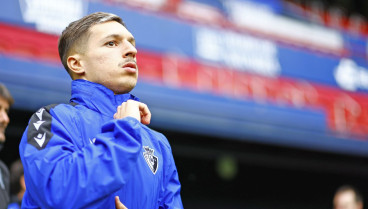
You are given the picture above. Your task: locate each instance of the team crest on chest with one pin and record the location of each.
(151, 160)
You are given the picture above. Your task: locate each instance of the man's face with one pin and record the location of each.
(110, 57)
(4, 119)
(346, 200)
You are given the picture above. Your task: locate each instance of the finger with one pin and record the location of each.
(133, 109)
(121, 110)
(117, 114)
(145, 113)
(118, 204)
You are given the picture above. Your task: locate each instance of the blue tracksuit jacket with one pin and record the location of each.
(77, 156)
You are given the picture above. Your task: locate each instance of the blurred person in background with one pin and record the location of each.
(97, 149)
(17, 185)
(6, 100)
(347, 197)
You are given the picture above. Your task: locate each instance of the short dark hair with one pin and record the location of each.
(76, 34)
(345, 188)
(4, 93)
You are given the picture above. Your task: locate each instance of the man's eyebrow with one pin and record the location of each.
(117, 36)
(131, 39)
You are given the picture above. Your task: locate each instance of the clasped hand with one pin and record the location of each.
(135, 109)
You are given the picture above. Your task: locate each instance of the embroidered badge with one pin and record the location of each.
(151, 160)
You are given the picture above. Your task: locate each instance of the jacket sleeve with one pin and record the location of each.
(59, 174)
(170, 197)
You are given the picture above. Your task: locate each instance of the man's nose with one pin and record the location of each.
(129, 50)
(4, 118)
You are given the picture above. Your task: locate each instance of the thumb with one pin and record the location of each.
(118, 204)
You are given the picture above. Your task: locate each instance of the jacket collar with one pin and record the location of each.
(97, 97)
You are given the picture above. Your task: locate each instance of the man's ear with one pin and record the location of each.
(75, 65)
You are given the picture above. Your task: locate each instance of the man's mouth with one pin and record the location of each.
(2, 129)
(130, 67)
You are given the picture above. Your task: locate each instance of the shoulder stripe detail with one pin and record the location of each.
(39, 128)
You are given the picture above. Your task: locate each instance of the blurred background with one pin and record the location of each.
(263, 101)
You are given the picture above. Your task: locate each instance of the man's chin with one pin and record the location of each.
(124, 89)
(2, 138)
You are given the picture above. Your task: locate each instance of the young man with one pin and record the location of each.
(347, 197)
(6, 100)
(98, 147)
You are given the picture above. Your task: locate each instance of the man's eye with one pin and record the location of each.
(111, 43)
